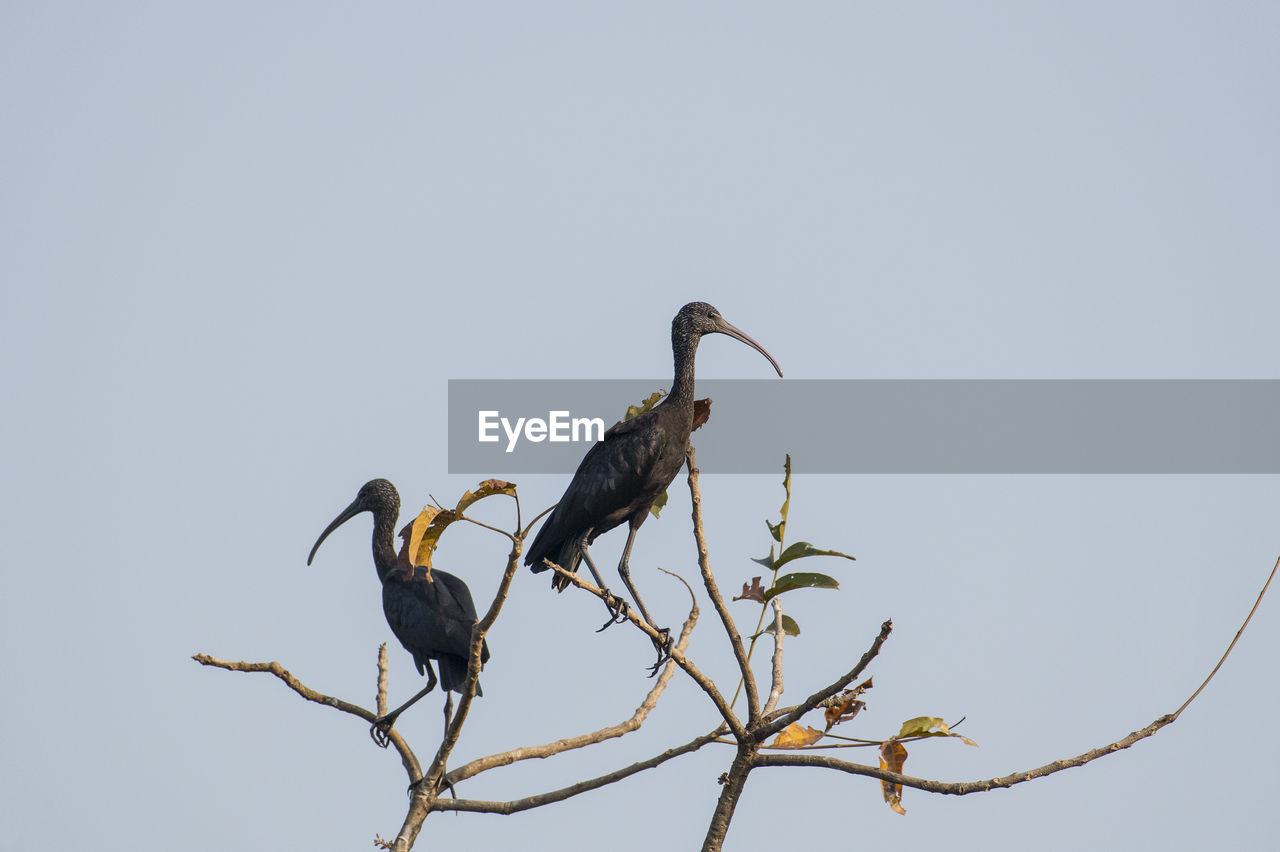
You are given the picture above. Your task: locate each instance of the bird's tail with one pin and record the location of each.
(453, 674)
(568, 556)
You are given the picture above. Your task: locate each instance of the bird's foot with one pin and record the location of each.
(663, 647)
(380, 730)
(617, 610)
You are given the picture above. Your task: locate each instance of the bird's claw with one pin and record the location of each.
(444, 784)
(664, 649)
(380, 730)
(617, 610)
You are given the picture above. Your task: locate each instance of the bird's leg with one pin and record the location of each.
(617, 606)
(381, 726)
(624, 570)
(448, 717)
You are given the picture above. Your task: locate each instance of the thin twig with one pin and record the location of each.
(524, 533)
(382, 680)
(1270, 577)
(487, 526)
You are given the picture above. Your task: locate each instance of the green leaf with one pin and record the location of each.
(787, 582)
(789, 627)
(781, 530)
(776, 530)
(766, 561)
(658, 504)
(646, 404)
(801, 549)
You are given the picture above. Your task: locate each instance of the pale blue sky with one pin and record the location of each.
(247, 244)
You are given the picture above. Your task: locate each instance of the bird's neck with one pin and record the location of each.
(682, 385)
(384, 548)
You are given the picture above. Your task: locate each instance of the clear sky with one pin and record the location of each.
(246, 245)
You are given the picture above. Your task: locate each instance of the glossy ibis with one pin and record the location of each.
(432, 618)
(621, 475)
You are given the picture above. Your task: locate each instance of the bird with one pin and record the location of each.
(431, 614)
(621, 475)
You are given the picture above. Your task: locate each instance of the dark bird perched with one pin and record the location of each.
(621, 475)
(432, 618)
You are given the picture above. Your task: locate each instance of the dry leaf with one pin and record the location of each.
(796, 735)
(701, 412)
(754, 592)
(843, 707)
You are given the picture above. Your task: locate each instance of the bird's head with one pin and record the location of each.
(697, 319)
(376, 495)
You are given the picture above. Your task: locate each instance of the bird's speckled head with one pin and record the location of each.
(694, 320)
(377, 492)
(697, 319)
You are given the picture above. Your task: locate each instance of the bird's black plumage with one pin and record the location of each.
(432, 618)
(621, 475)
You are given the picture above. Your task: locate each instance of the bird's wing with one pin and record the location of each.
(429, 617)
(604, 484)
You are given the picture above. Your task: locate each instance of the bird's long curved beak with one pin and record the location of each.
(738, 334)
(347, 514)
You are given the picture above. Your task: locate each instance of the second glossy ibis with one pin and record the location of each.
(432, 618)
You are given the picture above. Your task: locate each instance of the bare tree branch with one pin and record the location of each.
(382, 680)
(708, 686)
(964, 787)
(563, 793)
(717, 600)
(637, 719)
(775, 689)
(407, 757)
(791, 714)
(427, 790)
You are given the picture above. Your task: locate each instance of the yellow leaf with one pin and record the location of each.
(921, 725)
(796, 735)
(424, 534)
(893, 756)
(488, 488)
